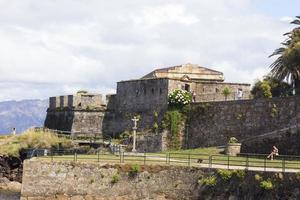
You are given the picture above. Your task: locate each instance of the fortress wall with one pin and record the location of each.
(141, 95)
(75, 120)
(137, 97)
(213, 123)
(211, 91)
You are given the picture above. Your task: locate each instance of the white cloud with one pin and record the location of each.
(52, 48)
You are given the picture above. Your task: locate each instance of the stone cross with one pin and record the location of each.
(134, 128)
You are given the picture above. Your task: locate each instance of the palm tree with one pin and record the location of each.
(287, 65)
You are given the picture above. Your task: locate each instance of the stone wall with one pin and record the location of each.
(136, 98)
(152, 142)
(64, 180)
(44, 180)
(76, 121)
(213, 123)
(80, 100)
(211, 91)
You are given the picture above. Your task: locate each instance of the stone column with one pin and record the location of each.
(134, 128)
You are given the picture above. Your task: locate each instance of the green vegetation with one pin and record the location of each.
(261, 89)
(173, 121)
(115, 178)
(82, 92)
(208, 150)
(233, 140)
(135, 169)
(12, 145)
(266, 184)
(286, 66)
(239, 173)
(274, 110)
(257, 177)
(226, 92)
(271, 87)
(209, 181)
(225, 174)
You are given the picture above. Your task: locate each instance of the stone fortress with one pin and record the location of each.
(86, 113)
(258, 123)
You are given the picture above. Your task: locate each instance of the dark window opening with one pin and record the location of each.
(187, 87)
(152, 90)
(160, 91)
(217, 90)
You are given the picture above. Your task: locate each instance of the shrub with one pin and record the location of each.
(240, 173)
(267, 184)
(179, 98)
(257, 177)
(209, 181)
(135, 169)
(115, 178)
(225, 174)
(82, 92)
(233, 140)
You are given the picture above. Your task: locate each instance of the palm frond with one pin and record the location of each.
(277, 52)
(296, 21)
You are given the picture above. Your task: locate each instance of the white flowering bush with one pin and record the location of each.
(179, 98)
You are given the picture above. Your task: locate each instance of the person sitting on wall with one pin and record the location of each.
(273, 153)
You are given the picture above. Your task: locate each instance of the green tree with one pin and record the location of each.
(226, 92)
(261, 89)
(271, 87)
(287, 65)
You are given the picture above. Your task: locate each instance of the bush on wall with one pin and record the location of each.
(179, 98)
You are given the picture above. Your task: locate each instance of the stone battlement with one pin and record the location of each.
(77, 101)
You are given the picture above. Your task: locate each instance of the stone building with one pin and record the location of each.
(142, 97)
(80, 114)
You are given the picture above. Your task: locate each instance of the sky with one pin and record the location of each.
(57, 47)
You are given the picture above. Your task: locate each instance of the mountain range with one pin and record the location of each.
(22, 115)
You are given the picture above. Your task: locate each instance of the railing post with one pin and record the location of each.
(120, 154)
(210, 161)
(265, 164)
(51, 156)
(98, 156)
(228, 161)
(145, 158)
(189, 159)
(166, 158)
(283, 164)
(247, 162)
(75, 157)
(123, 160)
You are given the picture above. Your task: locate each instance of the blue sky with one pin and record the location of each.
(278, 8)
(51, 48)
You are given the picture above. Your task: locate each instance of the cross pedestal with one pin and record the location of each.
(134, 128)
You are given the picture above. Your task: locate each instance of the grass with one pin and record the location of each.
(208, 150)
(182, 159)
(12, 145)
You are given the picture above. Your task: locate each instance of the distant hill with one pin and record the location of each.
(22, 114)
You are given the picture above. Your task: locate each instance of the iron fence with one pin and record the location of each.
(256, 162)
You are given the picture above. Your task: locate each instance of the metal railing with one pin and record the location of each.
(255, 162)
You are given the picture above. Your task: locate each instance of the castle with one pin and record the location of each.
(88, 113)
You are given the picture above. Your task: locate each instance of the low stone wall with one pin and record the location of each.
(44, 180)
(67, 180)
